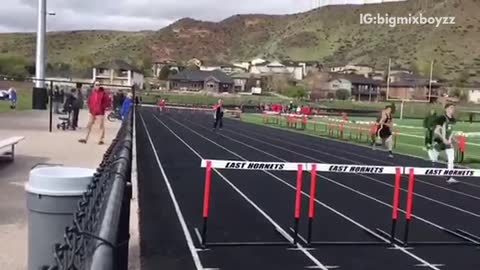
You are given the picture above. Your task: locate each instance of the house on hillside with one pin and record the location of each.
(225, 67)
(412, 87)
(359, 69)
(160, 64)
(359, 87)
(241, 81)
(275, 67)
(197, 80)
(362, 88)
(118, 72)
(194, 62)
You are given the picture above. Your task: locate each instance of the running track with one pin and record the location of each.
(259, 206)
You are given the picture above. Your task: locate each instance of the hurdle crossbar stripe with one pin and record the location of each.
(444, 172)
(358, 169)
(253, 165)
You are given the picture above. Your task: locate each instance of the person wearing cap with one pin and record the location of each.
(98, 103)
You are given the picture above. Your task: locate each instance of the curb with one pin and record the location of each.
(134, 262)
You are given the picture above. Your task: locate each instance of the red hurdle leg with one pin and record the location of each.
(408, 214)
(311, 207)
(298, 202)
(206, 201)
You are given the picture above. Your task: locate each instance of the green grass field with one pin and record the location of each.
(199, 99)
(409, 141)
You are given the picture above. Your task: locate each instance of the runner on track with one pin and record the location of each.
(384, 132)
(429, 125)
(161, 104)
(443, 140)
(218, 115)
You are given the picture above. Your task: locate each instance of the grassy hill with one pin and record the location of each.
(331, 34)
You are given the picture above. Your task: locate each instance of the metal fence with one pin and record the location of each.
(98, 237)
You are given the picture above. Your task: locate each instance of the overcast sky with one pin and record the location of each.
(21, 15)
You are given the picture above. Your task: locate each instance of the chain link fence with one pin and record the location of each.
(99, 234)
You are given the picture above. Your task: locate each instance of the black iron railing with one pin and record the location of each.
(98, 236)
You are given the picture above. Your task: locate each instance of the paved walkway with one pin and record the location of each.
(39, 146)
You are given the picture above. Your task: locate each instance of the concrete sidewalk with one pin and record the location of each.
(39, 146)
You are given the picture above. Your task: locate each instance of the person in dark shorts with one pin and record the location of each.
(384, 132)
(218, 115)
(429, 125)
(443, 138)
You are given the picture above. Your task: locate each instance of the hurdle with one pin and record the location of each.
(381, 238)
(353, 169)
(465, 238)
(250, 165)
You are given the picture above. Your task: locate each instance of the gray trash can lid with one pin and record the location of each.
(59, 181)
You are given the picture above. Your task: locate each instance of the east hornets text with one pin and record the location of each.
(254, 166)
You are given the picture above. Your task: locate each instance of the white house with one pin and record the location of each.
(275, 67)
(474, 93)
(119, 73)
(356, 69)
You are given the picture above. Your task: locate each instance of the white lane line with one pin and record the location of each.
(361, 175)
(181, 219)
(402, 249)
(264, 214)
(417, 179)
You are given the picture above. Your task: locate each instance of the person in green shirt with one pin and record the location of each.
(429, 125)
(443, 138)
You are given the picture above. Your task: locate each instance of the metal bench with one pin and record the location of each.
(10, 142)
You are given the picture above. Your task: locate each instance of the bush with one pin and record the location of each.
(295, 92)
(342, 94)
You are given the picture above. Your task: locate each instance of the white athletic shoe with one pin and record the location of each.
(451, 180)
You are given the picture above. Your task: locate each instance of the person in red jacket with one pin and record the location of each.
(98, 103)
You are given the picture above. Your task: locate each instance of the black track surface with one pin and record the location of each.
(347, 204)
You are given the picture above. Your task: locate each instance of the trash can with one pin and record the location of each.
(52, 195)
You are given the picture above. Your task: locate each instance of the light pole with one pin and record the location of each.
(39, 98)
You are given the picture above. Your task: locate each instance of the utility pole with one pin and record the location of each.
(39, 93)
(41, 32)
(430, 83)
(388, 78)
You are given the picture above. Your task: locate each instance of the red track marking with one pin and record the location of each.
(298, 198)
(313, 187)
(396, 193)
(411, 180)
(206, 194)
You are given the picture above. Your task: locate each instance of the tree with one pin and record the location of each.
(462, 78)
(459, 93)
(295, 92)
(164, 73)
(147, 66)
(342, 94)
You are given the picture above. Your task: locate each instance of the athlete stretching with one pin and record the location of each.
(218, 115)
(385, 123)
(444, 138)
